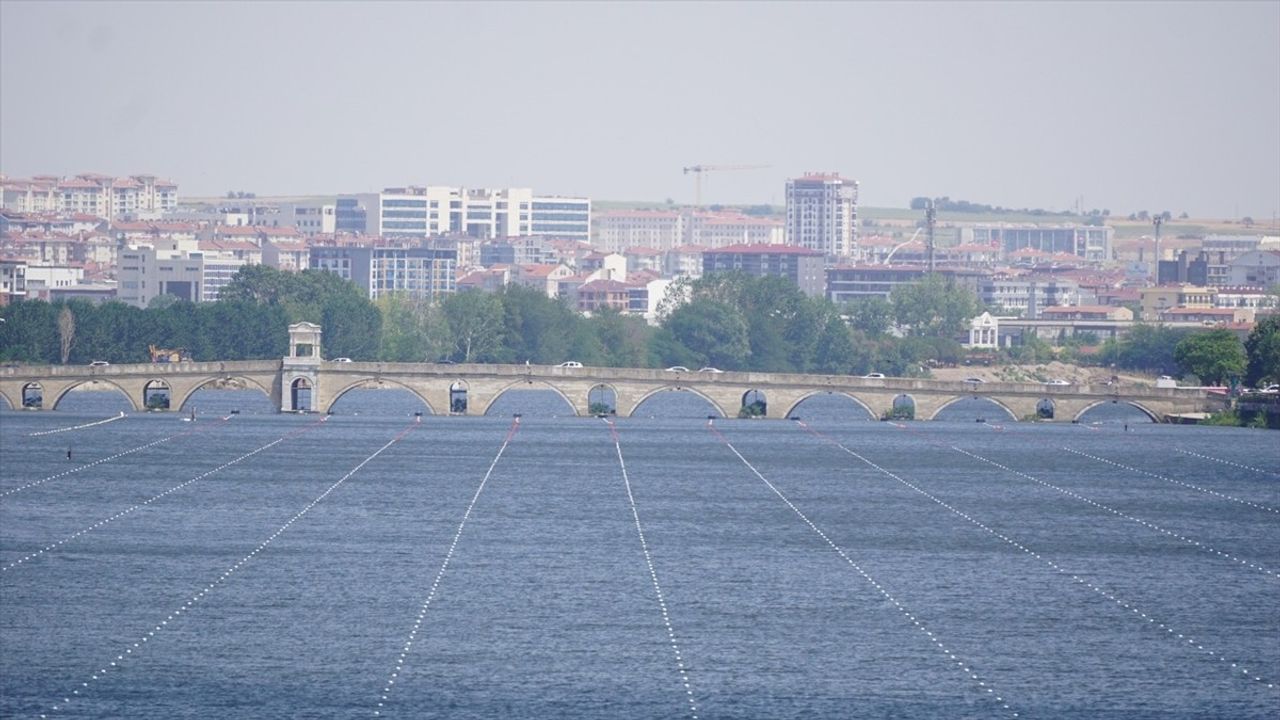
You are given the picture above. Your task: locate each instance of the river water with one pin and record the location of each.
(277, 566)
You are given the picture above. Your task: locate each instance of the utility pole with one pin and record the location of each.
(930, 220)
(1157, 220)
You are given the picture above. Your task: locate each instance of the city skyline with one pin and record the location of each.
(1123, 106)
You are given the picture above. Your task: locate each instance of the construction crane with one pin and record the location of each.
(698, 171)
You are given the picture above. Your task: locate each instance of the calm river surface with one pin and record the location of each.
(276, 566)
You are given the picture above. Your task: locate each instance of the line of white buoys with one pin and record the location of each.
(653, 576)
(153, 498)
(136, 647)
(911, 617)
(1127, 605)
(1121, 514)
(1158, 476)
(109, 458)
(1229, 462)
(77, 427)
(435, 584)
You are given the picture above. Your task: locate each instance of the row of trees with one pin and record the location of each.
(729, 320)
(1215, 357)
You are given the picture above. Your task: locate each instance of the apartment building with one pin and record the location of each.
(1156, 300)
(616, 231)
(822, 214)
(801, 266)
(484, 213)
(1027, 297)
(420, 272)
(100, 195)
(188, 274)
(13, 280)
(1089, 242)
(716, 230)
(561, 217)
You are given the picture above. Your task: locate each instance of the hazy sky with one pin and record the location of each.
(1134, 106)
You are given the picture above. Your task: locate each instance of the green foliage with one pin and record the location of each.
(1215, 356)
(351, 324)
(475, 327)
(1263, 350)
(712, 332)
(120, 333)
(873, 315)
(1147, 347)
(933, 306)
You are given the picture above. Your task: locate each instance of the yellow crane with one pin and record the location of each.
(698, 171)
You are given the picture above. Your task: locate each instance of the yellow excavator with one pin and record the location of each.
(168, 355)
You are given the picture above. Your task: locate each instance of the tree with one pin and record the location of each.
(1262, 348)
(66, 332)
(834, 353)
(871, 315)
(1147, 347)
(713, 332)
(1215, 356)
(933, 306)
(475, 326)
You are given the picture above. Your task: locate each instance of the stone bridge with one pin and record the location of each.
(442, 386)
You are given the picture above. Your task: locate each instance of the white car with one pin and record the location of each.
(710, 369)
(342, 359)
(1057, 381)
(677, 368)
(570, 364)
(873, 376)
(99, 363)
(1271, 389)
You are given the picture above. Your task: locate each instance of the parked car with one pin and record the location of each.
(99, 363)
(710, 369)
(343, 359)
(677, 368)
(873, 376)
(570, 364)
(974, 380)
(1271, 389)
(1057, 381)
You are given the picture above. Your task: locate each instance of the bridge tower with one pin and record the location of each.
(300, 369)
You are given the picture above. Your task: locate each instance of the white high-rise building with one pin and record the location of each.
(483, 213)
(822, 214)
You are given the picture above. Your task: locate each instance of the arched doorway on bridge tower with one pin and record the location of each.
(754, 404)
(156, 395)
(458, 398)
(300, 395)
(1045, 409)
(32, 395)
(903, 408)
(602, 400)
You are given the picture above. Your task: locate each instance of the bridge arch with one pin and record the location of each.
(157, 394)
(819, 393)
(1155, 418)
(133, 402)
(531, 384)
(676, 388)
(247, 380)
(333, 399)
(994, 401)
(602, 396)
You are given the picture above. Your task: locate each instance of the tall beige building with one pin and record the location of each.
(822, 214)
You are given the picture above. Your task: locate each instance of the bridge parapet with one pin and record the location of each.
(632, 386)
